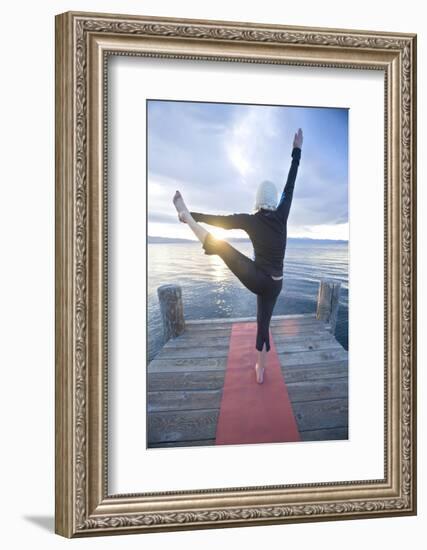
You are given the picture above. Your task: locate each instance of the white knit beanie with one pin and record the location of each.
(266, 196)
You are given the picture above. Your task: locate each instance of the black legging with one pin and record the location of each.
(254, 279)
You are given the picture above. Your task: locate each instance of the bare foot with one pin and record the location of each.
(259, 371)
(181, 208)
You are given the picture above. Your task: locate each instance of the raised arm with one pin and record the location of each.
(286, 199)
(232, 221)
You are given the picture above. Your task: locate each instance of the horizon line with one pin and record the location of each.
(248, 239)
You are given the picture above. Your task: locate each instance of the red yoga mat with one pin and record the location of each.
(252, 412)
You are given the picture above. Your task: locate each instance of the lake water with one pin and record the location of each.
(210, 290)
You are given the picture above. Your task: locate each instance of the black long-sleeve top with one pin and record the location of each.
(266, 228)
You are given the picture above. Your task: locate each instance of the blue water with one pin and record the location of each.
(210, 290)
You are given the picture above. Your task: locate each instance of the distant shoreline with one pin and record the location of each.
(152, 239)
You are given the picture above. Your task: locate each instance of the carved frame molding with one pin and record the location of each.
(83, 43)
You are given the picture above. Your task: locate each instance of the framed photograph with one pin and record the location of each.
(235, 274)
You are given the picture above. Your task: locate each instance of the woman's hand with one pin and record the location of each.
(298, 139)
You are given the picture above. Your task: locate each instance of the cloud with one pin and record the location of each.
(216, 154)
(158, 217)
(249, 138)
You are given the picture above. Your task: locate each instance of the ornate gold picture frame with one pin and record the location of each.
(84, 42)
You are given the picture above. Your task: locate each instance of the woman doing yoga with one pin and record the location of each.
(267, 229)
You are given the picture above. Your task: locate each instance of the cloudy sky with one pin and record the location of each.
(216, 155)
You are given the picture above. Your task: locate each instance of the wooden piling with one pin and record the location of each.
(172, 311)
(328, 301)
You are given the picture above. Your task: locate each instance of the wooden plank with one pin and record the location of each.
(211, 339)
(178, 378)
(315, 335)
(287, 360)
(197, 443)
(209, 399)
(309, 357)
(325, 435)
(202, 329)
(192, 352)
(276, 325)
(325, 413)
(307, 344)
(298, 323)
(331, 434)
(215, 329)
(296, 330)
(220, 348)
(187, 364)
(252, 318)
(202, 350)
(313, 390)
(288, 327)
(201, 424)
(183, 400)
(207, 340)
(182, 425)
(198, 380)
(277, 332)
(316, 371)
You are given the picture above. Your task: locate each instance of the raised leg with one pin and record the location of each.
(185, 216)
(243, 267)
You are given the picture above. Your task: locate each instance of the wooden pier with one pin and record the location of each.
(186, 377)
